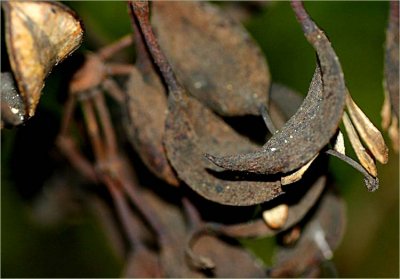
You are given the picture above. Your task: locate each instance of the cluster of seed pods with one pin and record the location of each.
(197, 71)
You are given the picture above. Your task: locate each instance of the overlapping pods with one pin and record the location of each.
(312, 126)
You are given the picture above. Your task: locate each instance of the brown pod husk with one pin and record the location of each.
(299, 202)
(312, 126)
(147, 110)
(213, 56)
(320, 237)
(39, 35)
(192, 129)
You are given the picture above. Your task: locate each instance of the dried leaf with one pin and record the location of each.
(368, 132)
(365, 160)
(39, 35)
(213, 56)
(276, 217)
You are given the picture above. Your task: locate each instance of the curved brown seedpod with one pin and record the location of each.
(39, 35)
(192, 128)
(213, 56)
(258, 228)
(147, 110)
(313, 125)
(320, 237)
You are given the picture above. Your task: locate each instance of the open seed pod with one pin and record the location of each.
(39, 35)
(312, 126)
(213, 56)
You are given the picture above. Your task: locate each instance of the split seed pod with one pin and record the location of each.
(313, 125)
(39, 35)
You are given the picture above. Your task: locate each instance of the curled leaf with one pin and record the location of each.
(368, 132)
(213, 56)
(39, 35)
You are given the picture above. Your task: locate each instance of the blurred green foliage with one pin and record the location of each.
(357, 30)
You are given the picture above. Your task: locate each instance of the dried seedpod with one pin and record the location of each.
(313, 125)
(147, 110)
(299, 205)
(39, 35)
(320, 237)
(390, 110)
(367, 131)
(213, 56)
(192, 128)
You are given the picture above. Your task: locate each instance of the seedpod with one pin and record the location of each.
(314, 123)
(39, 35)
(213, 56)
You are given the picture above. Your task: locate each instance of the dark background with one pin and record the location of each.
(370, 247)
